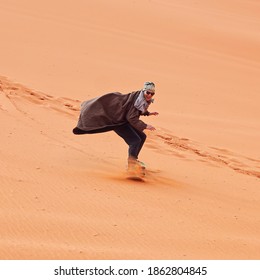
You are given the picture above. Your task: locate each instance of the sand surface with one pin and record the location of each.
(65, 196)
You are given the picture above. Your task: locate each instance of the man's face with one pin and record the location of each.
(148, 94)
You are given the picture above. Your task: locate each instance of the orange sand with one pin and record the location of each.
(65, 196)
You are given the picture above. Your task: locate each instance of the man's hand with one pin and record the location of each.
(153, 114)
(150, 127)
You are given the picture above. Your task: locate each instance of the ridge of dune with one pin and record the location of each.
(163, 141)
(13, 91)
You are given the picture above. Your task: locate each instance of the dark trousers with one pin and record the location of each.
(134, 139)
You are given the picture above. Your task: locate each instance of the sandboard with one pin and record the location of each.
(137, 173)
(135, 177)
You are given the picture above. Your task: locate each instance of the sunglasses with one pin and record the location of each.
(150, 93)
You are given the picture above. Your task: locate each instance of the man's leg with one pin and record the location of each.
(142, 135)
(135, 139)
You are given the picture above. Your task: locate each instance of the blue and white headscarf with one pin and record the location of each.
(149, 86)
(141, 104)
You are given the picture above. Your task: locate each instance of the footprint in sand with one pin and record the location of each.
(14, 92)
(173, 145)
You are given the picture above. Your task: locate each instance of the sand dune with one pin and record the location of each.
(65, 196)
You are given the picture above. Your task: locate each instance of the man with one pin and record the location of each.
(120, 113)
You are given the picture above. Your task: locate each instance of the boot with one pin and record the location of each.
(132, 162)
